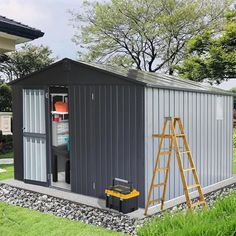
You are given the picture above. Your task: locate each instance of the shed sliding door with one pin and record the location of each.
(34, 135)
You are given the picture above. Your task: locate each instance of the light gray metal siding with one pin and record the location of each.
(210, 139)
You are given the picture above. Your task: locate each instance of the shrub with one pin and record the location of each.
(6, 143)
(234, 138)
(5, 97)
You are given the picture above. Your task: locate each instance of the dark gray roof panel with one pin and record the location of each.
(158, 80)
(12, 27)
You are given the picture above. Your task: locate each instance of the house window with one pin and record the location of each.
(219, 108)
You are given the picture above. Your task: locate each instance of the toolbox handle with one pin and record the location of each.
(123, 181)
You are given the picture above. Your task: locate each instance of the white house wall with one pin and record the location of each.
(210, 138)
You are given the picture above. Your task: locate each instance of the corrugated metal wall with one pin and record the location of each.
(210, 139)
(107, 137)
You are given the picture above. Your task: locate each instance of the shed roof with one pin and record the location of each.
(12, 27)
(158, 80)
(148, 79)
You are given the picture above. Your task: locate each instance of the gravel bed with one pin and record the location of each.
(67, 209)
(87, 214)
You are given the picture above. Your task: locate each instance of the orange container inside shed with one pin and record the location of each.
(61, 106)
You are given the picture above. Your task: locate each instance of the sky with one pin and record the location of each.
(52, 17)
(228, 84)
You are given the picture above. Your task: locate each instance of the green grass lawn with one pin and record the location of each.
(9, 168)
(234, 151)
(17, 221)
(234, 162)
(6, 155)
(220, 220)
(9, 172)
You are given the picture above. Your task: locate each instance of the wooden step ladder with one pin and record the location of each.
(174, 145)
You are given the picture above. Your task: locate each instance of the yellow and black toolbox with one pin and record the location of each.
(122, 196)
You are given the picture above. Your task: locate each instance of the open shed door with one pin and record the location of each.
(34, 136)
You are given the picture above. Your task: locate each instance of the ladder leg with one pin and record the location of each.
(192, 165)
(155, 169)
(166, 178)
(167, 172)
(180, 164)
(186, 193)
(196, 179)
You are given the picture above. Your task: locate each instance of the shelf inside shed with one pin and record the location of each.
(59, 113)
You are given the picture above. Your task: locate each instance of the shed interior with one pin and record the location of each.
(59, 133)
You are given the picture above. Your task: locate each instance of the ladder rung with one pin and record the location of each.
(162, 136)
(155, 200)
(184, 152)
(162, 168)
(198, 203)
(180, 135)
(165, 153)
(189, 169)
(193, 186)
(158, 185)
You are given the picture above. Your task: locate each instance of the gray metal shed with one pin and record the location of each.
(113, 113)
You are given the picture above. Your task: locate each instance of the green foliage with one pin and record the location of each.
(220, 220)
(9, 154)
(148, 35)
(18, 221)
(212, 55)
(234, 138)
(28, 59)
(5, 98)
(234, 162)
(233, 90)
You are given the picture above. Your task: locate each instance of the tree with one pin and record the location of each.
(212, 57)
(28, 59)
(145, 34)
(5, 98)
